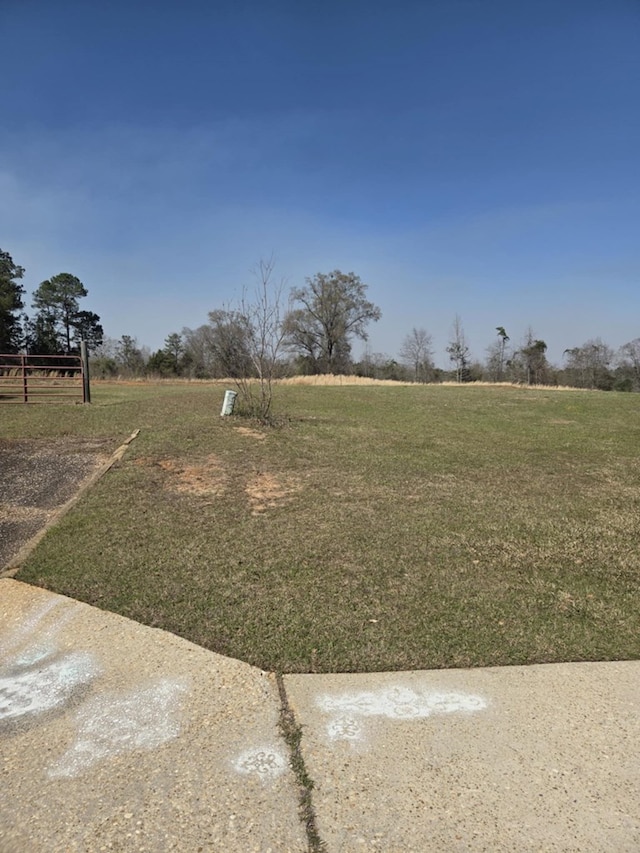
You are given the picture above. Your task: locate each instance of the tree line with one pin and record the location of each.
(309, 330)
(593, 364)
(317, 333)
(218, 349)
(316, 336)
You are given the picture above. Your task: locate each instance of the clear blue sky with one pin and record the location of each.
(479, 158)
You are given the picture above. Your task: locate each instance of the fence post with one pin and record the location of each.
(86, 385)
(23, 364)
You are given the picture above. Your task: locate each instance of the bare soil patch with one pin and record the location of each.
(251, 433)
(266, 491)
(207, 478)
(210, 479)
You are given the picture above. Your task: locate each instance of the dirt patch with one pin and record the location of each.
(266, 491)
(207, 478)
(251, 433)
(561, 422)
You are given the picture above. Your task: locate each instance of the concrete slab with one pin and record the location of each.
(514, 758)
(115, 736)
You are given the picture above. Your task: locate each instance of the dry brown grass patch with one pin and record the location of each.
(331, 379)
(251, 433)
(208, 478)
(266, 491)
(520, 385)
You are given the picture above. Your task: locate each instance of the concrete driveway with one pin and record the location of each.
(115, 736)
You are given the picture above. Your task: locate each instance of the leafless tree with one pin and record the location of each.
(199, 351)
(416, 352)
(458, 350)
(261, 318)
(130, 357)
(588, 365)
(629, 362)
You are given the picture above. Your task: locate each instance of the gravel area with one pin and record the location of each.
(36, 478)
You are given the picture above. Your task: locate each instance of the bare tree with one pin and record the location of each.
(129, 356)
(458, 350)
(261, 318)
(416, 352)
(217, 349)
(629, 362)
(229, 344)
(588, 365)
(198, 346)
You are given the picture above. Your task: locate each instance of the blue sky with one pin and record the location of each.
(478, 158)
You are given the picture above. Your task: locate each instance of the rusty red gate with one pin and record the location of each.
(44, 378)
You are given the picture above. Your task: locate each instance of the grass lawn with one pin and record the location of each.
(381, 528)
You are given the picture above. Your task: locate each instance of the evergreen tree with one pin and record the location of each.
(59, 320)
(11, 292)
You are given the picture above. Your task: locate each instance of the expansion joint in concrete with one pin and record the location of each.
(292, 734)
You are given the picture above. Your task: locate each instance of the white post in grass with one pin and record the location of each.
(228, 403)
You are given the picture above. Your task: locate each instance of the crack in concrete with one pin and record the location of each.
(292, 735)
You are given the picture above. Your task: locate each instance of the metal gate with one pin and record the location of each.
(44, 378)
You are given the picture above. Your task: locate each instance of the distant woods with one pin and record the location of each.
(307, 330)
(318, 326)
(274, 332)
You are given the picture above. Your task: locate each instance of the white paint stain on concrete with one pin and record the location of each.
(265, 762)
(34, 654)
(111, 724)
(393, 703)
(32, 640)
(27, 627)
(45, 686)
(35, 676)
(345, 728)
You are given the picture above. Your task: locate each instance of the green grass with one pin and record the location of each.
(410, 527)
